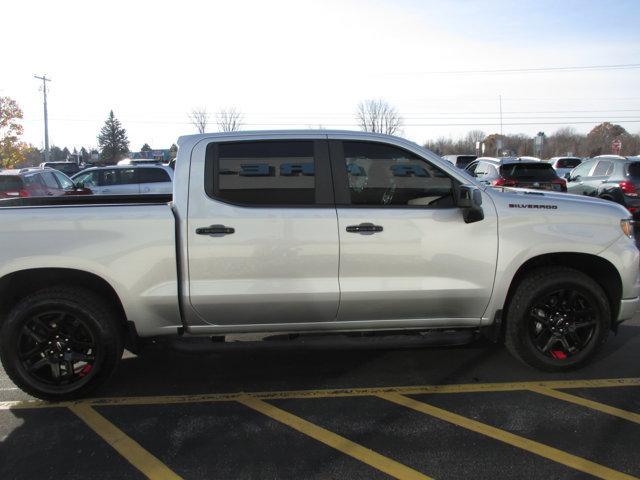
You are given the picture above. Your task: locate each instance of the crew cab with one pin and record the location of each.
(307, 231)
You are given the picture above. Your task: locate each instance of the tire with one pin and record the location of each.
(536, 321)
(70, 327)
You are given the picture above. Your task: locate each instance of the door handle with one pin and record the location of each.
(366, 228)
(218, 230)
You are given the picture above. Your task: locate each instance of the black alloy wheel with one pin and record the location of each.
(56, 347)
(562, 323)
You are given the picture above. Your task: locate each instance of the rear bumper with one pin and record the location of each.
(628, 308)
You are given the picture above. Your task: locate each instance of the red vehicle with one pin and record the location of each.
(37, 182)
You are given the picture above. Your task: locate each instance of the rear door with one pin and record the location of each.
(262, 232)
(52, 187)
(578, 177)
(405, 250)
(598, 176)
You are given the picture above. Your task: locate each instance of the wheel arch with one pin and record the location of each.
(603, 272)
(16, 285)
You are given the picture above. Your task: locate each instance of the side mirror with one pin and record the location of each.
(567, 176)
(469, 199)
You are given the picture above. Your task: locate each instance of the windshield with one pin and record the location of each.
(528, 171)
(568, 163)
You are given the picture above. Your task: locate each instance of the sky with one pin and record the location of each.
(305, 64)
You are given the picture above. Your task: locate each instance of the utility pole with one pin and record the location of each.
(500, 100)
(499, 140)
(46, 117)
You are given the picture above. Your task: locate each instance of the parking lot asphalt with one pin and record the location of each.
(353, 409)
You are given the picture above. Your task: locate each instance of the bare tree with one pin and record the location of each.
(199, 118)
(379, 117)
(229, 119)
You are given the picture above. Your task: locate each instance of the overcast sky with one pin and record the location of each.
(303, 64)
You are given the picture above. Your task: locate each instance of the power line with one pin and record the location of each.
(621, 66)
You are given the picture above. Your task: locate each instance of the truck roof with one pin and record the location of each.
(292, 132)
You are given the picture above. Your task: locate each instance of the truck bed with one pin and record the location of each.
(129, 241)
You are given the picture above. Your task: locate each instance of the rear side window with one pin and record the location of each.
(10, 184)
(263, 172)
(152, 175)
(583, 169)
(603, 168)
(118, 176)
(464, 160)
(49, 180)
(528, 171)
(568, 163)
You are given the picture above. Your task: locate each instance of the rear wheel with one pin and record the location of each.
(60, 343)
(557, 319)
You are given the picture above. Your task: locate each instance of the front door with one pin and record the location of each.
(405, 250)
(263, 239)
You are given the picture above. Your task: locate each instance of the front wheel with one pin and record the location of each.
(557, 319)
(60, 343)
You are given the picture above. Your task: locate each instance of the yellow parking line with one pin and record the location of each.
(601, 407)
(339, 392)
(344, 445)
(124, 445)
(577, 463)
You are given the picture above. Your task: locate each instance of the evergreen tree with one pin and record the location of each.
(84, 154)
(113, 141)
(65, 153)
(145, 148)
(55, 154)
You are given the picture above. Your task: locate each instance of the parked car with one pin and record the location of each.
(515, 172)
(610, 177)
(564, 165)
(68, 168)
(460, 161)
(37, 182)
(127, 180)
(292, 231)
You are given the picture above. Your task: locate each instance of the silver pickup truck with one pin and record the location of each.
(307, 231)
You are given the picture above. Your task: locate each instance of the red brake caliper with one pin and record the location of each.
(85, 370)
(558, 354)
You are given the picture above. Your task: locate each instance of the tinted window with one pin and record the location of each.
(63, 180)
(9, 184)
(118, 176)
(464, 160)
(568, 163)
(604, 167)
(49, 180)
(265, 173)
(152, 175)
(380, 174)
(528, 171)
(632, 168)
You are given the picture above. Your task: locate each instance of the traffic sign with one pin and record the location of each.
(616, 146)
